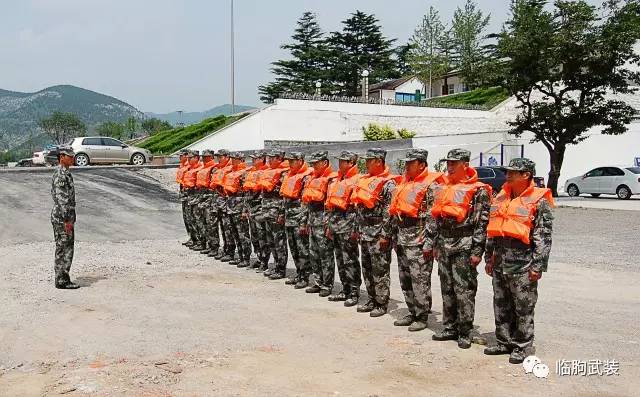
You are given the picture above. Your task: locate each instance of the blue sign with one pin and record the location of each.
(493, 162)
(637, 162)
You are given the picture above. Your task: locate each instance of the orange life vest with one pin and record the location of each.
(408, 195)
(514, 218)
(270, 177)
(292, 183)
(217, 176)
(232, 179)
(182, 169)
(454, 200)
(190, 175)
(339, 191)
(252, 178)
(203, 177)
(315, 190)
(367, 191)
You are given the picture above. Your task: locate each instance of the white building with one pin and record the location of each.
(406, 89)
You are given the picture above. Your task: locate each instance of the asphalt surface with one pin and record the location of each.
(156, 319)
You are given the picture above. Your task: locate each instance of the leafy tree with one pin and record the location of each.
(307, 65)
(153, 125)
(562, 63)
(61, 127)
(401, 56)
(112, 129)
(131, 126)
(446, 49)
(468, 26)
(425, 58)
(359, 46)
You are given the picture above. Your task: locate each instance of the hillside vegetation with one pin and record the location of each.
(486, 97)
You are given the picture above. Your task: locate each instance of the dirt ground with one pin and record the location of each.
(156, 319)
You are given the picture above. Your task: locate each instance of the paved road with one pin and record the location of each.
(608, 202)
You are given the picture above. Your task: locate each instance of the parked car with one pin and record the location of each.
(39, 158)
(623, 182)
(105, 150)
(493, 176)
(24, 163)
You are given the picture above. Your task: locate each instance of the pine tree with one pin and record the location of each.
(425, 57)
(468, 26)
(307, 65)
(359, 46)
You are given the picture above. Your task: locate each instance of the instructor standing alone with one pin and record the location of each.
(63, 217)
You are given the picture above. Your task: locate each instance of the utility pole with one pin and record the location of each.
(233, 77)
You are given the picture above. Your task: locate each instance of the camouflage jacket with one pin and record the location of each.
(513, 256)
(63, 194)
(296, 213)
(272, 202)
(470, 235)
(376, 223)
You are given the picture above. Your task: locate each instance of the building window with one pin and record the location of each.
(452, 89)
(404, 97)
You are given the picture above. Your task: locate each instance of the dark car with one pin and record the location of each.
(25, 163)
(492, 176)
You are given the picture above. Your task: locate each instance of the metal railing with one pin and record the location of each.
(376, 101)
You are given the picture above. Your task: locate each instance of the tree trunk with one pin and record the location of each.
(556, 158)
(445, 87)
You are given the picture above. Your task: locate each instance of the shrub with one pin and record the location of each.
(406, 134)
(374, 132)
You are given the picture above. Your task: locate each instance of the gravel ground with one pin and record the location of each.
(155, 319)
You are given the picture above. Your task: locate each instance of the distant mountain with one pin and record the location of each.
(20, 112)
(189, 118)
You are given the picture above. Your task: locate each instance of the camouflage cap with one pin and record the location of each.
(194, 153)
(258, 154)
(416, 154)
(294, 156)
(319, 156)
(458, 155)
(223, 152)
(66, 150)
(347, 155)
(237, 155)
(375, 153)
(275, 153)
(521, 164)
(183, 152)
(207, 152)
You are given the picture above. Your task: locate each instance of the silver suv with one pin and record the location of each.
(102, 150)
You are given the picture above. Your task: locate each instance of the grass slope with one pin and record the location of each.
(169, 141)
(485, 97)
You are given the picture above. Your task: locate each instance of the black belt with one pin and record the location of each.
(372, 220)
(508, 242)
(317, 206)
(273, 194)
(466, 231)
(410, 222)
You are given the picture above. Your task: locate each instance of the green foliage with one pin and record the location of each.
(467, 27)
(362, 166)
(169, 141)
(112, 129)
(131, 126)
(561, 62)
(61, 127)
(486, 97)
(152, 126)
(375, 132)
(400, 166)
(404, 133)
(428, 58)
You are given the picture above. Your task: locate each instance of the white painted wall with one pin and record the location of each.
(411, 86)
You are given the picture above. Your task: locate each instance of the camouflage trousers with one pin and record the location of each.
(276, 240)
(348, 262)
(514, 302)
(200, 221)
(265, 248)
(459, 283)
(212, 232)
(189, 217)
(185, 217)
(376, 264)
(299, 249)
(229, 243)
(257, 239)
(321, 257)
(240, 234)
(64, 251)
(415, 279)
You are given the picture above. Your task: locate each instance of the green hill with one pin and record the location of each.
(20, 112)
(488, 98)
(170, 141)
(189, 118)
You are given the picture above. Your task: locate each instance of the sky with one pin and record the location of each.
(167, 55)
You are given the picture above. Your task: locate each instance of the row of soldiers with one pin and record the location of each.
(354, 221)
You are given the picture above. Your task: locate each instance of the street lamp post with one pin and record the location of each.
(365, 86)
(318, 86)
(233, 77)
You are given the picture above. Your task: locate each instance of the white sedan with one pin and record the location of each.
(623, 182)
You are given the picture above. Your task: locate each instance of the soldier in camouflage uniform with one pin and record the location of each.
(321, 253)
(193, 199)
(295, 217)
(411, 206)
(63, 217)
(273, 213)
(224, 221)
(211, 210)
(253, 212)
(182, 192)
(341, 225)
(203, 204)
(372, 196)
(456, 235)
(515, 260)
(239, 224)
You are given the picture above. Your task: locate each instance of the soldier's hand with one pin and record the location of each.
(280, 220)
(534, 276)
(304, 230)
(355, 236)
(245, 215)
(68, 227)
(436, 254)
(384, 243)
(327, 232)
(488, 267)
(475, 260)
(427, 254)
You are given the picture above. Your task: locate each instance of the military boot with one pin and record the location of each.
(378, 311)
(404, 321)
(244, 263)
(324, 292)
(268, 272)
(276, 275)
(517, 356)
(418, 325)
(226, 258)
(366, 307)
(301, 284)
(197, 247)
(291, 281)
(188, 243)
(234, 261)
(497, 350)
(314, 289)
(339, 297)
(445, 335)
(464, 341)
(352, 300)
